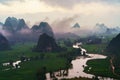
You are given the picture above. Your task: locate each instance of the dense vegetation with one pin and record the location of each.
(95, 48)
(113, 46)
(113, 49)
(46, 44)
(102, 67)
(99, 67)
(4, 44)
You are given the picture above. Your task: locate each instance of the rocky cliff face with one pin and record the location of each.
(4, 44)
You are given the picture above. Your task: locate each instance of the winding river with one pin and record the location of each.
(77, 68)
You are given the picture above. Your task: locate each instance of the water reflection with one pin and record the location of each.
(77, 68)
(15, 65)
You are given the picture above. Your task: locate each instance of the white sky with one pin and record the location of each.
(89, 12)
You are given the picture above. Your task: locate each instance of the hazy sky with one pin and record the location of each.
(86, 12)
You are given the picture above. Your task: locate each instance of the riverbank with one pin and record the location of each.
(51, 61)
(100, 67)
(79, 78)
(28, 69)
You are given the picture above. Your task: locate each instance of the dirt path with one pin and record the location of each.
(113, 67)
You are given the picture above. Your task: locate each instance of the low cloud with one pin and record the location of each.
(25, 31)
(5, 33)
(63, 25)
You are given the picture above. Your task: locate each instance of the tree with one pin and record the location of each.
(4, 44)
(41, 74)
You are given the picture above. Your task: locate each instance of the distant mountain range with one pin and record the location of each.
(13, 24)
(76, 25)
(43, 27)
(103, 29)
(18, 30)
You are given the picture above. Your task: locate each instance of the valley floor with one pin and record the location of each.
(51, 61)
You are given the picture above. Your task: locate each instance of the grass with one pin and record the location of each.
(17, 50)
(28, 69)
(94, 48)
(100, 67)
(52, 62)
